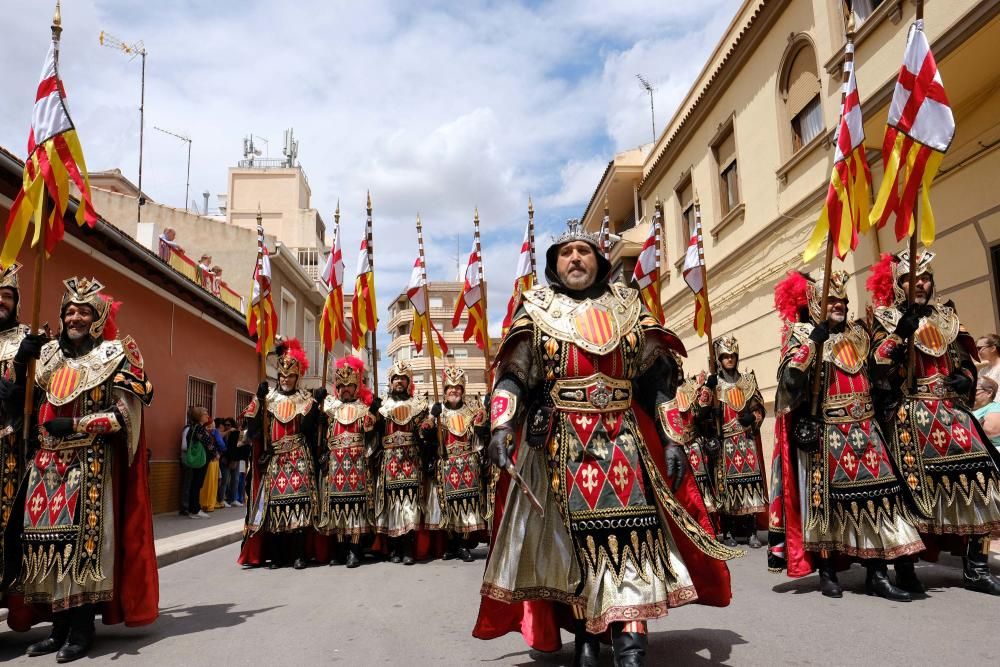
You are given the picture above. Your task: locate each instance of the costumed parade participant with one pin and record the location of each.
(461, 491)
(282, 494)
(87, 538)
(592, 530)
(835, 495)
(948, 465)
(400, 493)
(738, 466)
(17, 347)
(345, 482)
(681, 427)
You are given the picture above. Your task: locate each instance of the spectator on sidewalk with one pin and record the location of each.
(210, 487)
(243, 456)
(228, 464)
(195, 440)
(987, 409)
(989, 353)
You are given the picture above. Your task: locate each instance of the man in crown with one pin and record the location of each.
(853, 506)
(282, 495)
(949, 467)
(345, 482)
(87, 528)
(460, 488)
(405, 442)
(732, 424)
(17, 347)
(619, 533)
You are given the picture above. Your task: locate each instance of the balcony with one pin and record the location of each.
(208, 282)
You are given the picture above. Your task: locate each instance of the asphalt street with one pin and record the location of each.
(214, 613)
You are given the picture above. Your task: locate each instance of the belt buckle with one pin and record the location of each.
(600, 397)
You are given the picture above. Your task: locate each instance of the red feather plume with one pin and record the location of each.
(790, 296)
(293, 348)
(364, 393)
(880, 283)
(111, 324)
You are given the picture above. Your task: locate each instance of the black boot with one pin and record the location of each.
(299, 550)
(81, 634)
(337, 556)
(828, 584)
(353, 555)
(587, 647)
(906, 577)
(451, 551)
(408, 540)
(976, 573)
(395, 550)
(877, 583)
(630, 647)
(465, 554)
(56, 638)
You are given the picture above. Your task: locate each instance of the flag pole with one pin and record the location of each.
(488, 362)
(817, 385)
(713, 363)
(262, 355)
(531, 240)
(371, 265)
(46, 211)
(336, 233)
(911, 352)
(431, 343)
(606, 231)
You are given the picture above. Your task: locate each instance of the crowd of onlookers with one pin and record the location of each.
(214, 457)
(207, 275)
(987, 404)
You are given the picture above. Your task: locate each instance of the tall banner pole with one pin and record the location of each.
(531, 240)
(911, 353)
(371, 264)
(488, 362)
(262, 355)
(336, 237)
(713, 363)
(431, 343)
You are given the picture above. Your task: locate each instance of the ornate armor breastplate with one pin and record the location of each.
(286, 408)
(64, 378)
(402, 412)
(595, 325)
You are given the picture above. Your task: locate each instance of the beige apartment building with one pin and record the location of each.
(442, 297)
(752, 142)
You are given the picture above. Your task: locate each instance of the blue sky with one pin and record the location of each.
(437, 107)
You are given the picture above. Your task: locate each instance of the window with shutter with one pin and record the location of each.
(800, 90)
(202, 393)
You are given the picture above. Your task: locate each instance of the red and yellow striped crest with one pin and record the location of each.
(930, 336)
(457, 423)
(735, 396)
(846, 353)
(64, 382)
(594, 325)
(401, 413)
(683, 399)
(284, 410)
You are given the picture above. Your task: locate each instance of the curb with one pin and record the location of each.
(170, 550)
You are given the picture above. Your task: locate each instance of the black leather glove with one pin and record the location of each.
(59, 427)
(676, 464)
(501, 445)
(747, 419)
(30, 347)
(712, 445)
(436, 410)
(819, 334)
(712, 381)
(262, 390)
(907, 325)
(7, 389)
(376, 404)
(959, 383)
(265, 456)
(319, 395)
(324, 461)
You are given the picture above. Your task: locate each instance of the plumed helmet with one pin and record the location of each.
(292, 359)
(726, 345)
(454, 377)
(87, 292)
(9, 279)
(838, 290)
(350, 370)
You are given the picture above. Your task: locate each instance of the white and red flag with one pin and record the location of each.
(524, 278)
(918, 132)
(647, 271)
(472, 298)
(694, 276)
(423, 325)
(332, 328)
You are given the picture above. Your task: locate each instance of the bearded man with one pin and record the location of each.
(87, 531)
(609, 544)
(282, 495)
(950, 468)
(836, 496)
(345, 482)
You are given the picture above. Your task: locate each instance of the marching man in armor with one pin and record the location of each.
(283, 488)
(835, 495)
(681, 427)
(739, 465)
(345, 482)
(399, 492)
(948, 465)
(594, 523)
(87, 526)
(17, 347)
(461, 491)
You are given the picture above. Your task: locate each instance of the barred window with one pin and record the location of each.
(243, 399)
(202, 393)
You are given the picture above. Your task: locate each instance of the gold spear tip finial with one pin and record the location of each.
(605, 201)
(476, 216)
(850, 22)
(259, 216)
(369, 199)
(531, 207)
(697, 200)
(57, 16)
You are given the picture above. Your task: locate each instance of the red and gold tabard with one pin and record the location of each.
(11, 457)
(399, 487)
(936, 442)
(601, 546)
(854, 502)
(739, 470)
(286, 497)
(460, 486)
(69, 534)
(677, 418)
(345, 489)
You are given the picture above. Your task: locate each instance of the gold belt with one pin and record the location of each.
(75, 441)
(844, 408)
(932, 388)
(595, 393)
(347, 439)
(287, 443)
(397, 439)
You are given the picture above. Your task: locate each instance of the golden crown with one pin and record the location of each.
(454, 377)
(401, 367)
(8, 276)
(346, 375)
(838, 290)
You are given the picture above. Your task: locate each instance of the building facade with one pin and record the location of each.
(752, 142)
(442, 296)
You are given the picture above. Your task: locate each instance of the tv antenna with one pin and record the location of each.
(648, 87)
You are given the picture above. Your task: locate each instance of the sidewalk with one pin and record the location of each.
(179, 537)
